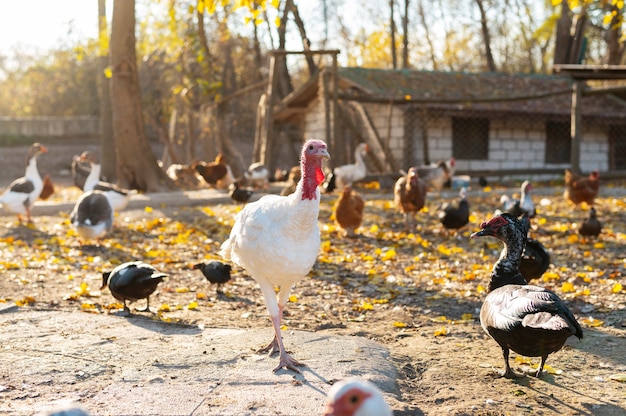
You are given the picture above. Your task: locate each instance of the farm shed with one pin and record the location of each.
(490, 122)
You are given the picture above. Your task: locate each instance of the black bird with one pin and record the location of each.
(454, 217)
(530, 320)
(591, 226)
(132, 281)
(238, 194)
(215, 272)
(535, 258)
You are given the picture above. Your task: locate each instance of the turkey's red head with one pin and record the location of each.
(313, 152)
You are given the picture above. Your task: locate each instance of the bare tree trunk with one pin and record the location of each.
(107, 142)
(137, 166)
(405, 35)
(431, 47)
(491, 64)
(392, 28)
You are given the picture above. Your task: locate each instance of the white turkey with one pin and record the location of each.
(276, 240)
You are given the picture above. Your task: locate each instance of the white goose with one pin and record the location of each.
(117, 197)
(345, 175)
(22, 193)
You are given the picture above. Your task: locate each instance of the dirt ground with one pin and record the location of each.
(418, 293)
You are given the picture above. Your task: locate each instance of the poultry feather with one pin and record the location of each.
(348, 211)
(356, 397)
(346, 175)
(132, 281)
(455, 217)
(591, 226)
(48, 188)
(19, 197)
(118, 197)
(581, 189)
(437, 175)
(92, 216)
(535, 258)
(409, 195)
(524, 204)
(212, 172)
(276, 240)
(238, 194)
(215, 272)
(530, 320)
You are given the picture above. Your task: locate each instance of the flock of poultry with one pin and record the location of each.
(276, 240)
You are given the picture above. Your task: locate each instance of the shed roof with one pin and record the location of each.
(518, 93)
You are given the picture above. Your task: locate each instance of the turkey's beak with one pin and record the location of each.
(324, 153)
(43, 149)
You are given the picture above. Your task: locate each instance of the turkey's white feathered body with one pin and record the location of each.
(277, 245)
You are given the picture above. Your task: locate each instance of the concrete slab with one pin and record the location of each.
(114, 365)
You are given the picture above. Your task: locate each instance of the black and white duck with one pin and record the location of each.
(530, 320)
(591, 226)
(118, 197)
(454, 217)
(132, 281)
(19, 197)
(92, 216)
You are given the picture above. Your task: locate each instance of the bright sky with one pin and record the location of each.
(44, 24)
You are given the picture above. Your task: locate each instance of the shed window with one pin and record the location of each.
(470, 138)
(558, 142)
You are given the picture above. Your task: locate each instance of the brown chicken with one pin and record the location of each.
(581, 189)
(348, 211)
(409, 195)
(48, 188)
(294, 177)
(214, 171)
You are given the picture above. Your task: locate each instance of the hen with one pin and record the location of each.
(437, 175)
(277, 239)
(355, 397)
(581, 189)
(184, 176)
(48, 188)
(346, 175)
(212, 172)
(292, 181)
(455, 217)
(132, 281)
(529, 320)
(409, 195)
(19, 197)
(524, 204)
(348, 211)
(591, 226)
